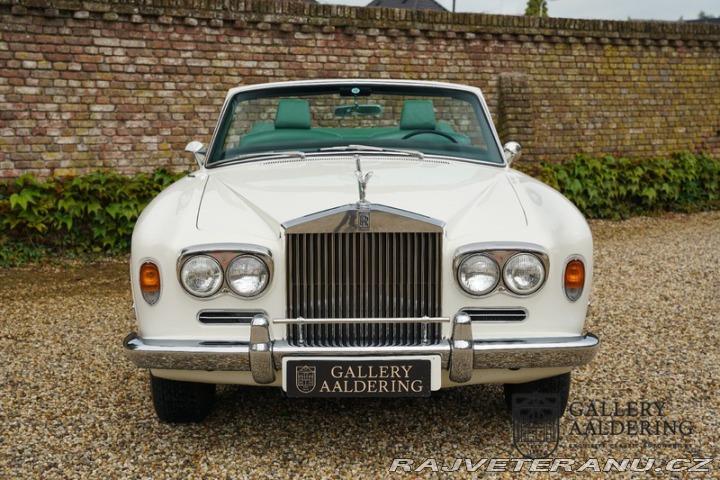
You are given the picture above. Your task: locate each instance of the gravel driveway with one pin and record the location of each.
(72, 406)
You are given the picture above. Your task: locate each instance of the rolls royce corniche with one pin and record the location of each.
(357, 238)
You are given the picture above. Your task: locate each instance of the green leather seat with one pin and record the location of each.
(417, 115)
(292, 113)
(293, 124)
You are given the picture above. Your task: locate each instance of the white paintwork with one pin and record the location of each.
(248, 202)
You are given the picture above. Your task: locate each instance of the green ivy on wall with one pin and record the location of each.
(617, 188)
(75, 216)
(95, 214)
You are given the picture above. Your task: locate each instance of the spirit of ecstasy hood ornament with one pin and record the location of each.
(362, 183)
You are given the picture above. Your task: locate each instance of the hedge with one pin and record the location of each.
(73, 216)
(96, 213)
(619, 188)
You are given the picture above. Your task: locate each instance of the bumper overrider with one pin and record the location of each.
(459, 355)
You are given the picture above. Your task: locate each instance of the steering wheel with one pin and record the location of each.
(436, 132)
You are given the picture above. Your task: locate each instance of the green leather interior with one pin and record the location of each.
(262, 127)
(417, 115)
(292, 113)
(293, 124)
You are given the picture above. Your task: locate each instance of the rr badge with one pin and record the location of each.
(363, 220)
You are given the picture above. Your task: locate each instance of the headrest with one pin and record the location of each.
(292, 113)
(417, 115)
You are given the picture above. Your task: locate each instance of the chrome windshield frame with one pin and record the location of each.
(494, 146)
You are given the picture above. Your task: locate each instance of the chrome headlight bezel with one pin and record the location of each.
(501, 253)
(262, 276)
(493, 272)
(509, 277)
(225, 254)
(209, 263)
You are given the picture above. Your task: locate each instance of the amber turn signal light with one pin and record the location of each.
(150, 282)
(574, 279)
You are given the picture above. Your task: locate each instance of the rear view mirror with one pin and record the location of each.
(358, 110)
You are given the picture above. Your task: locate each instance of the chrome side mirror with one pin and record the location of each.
(512, 151)
(198, 150)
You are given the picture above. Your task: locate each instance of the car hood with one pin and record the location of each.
(259, 197)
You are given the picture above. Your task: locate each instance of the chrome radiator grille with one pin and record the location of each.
(364, 275)
(363, 334)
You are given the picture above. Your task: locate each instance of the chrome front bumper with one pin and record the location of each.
(460, 355)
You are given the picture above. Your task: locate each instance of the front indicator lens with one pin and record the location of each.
(247, 275)
(201, 276)
(574, 281)
(150, 282)
(478, 274)
(524, 273)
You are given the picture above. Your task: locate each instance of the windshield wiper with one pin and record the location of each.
(368, 148)
(262, 156)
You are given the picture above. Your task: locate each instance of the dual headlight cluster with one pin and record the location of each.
(203, 275)
(481, 273)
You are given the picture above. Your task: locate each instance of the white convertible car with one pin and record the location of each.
(357, 238)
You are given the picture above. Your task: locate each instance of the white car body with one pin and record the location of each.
(248, 205)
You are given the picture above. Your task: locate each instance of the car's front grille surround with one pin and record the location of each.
(364, 275)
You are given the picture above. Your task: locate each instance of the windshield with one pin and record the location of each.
(431, 120)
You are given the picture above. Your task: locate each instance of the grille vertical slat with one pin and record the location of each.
(363, 275)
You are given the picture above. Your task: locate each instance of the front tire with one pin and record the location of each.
(552, 391)
(181, 402)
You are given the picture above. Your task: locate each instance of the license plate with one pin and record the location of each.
(362, 378)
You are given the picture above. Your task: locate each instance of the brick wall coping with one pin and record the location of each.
(241, 12)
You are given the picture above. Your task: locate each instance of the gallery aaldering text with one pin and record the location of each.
(634, 418)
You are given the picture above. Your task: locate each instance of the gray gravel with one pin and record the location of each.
(72, 406)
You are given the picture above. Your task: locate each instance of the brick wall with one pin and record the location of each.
(125, 85)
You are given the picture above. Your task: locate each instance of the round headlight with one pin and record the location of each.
(201, 276)
(247, 275)
(478, 274)
(524, 273)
